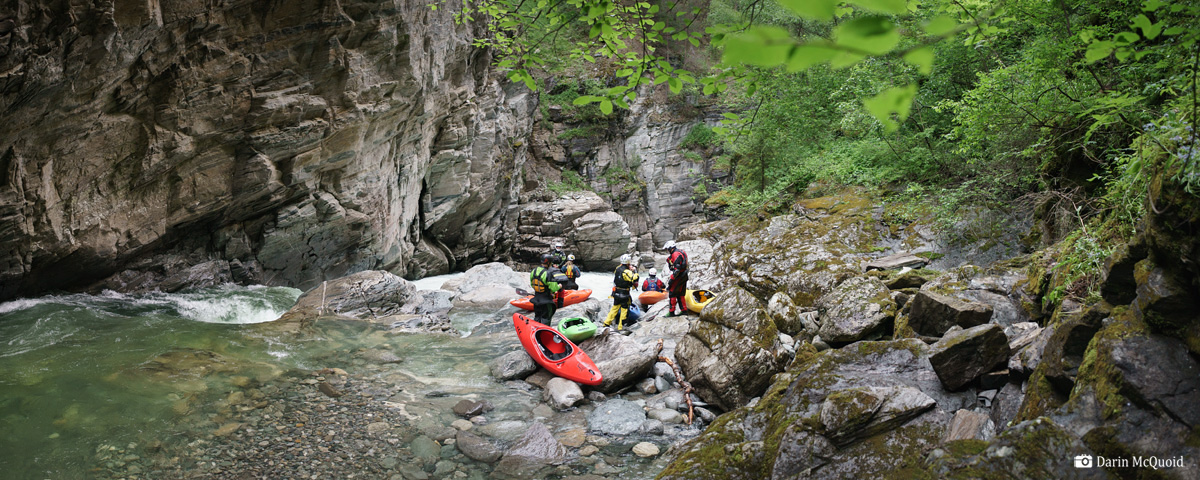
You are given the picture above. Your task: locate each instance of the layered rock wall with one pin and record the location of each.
(298, 141)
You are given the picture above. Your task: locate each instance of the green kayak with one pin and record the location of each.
(577, 329)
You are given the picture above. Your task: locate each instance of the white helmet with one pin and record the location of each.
(558, 245)
(625, 259)
(653, 271)
(571, 257)
(670, 244)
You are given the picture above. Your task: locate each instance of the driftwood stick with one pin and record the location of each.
(687, 387)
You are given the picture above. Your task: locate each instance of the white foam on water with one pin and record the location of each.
(435, 282)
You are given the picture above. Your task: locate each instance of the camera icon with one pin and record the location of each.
(1083, 461)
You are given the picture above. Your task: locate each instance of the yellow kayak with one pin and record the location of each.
(697, 299)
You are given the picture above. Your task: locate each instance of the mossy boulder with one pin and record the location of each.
(1038, 448)
(791, 319)
(730, 354)
(784, 435)
(804, 254)
(934, 313)
(857, 309)
(962, 356)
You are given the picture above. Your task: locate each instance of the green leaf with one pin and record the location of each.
(732, 116)
(1152, 5)
(804, 56)
(585, 99)
(1149, 30)
(845, 59)
(606, 106)
(885, 6)
(922, 58)
(1098, 51)
(895, 100)
(694, 42)
(1174, 31)
(812, 9)
(675, 85)
(762, 46)
(941, 25)
(873, 35)
(624, 72)
(709, 88)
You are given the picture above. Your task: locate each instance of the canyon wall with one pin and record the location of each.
(271, 142)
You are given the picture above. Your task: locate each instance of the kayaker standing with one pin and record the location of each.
(572, 272)
(625, 277)
(558, 258)
(677, 284)
(545, 290)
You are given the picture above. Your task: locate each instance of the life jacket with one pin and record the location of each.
(539, 280)
(678, 262)
(573, 272)
(652, 284)
(624, 278)
(558, 258)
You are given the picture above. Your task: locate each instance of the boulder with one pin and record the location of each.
(513, 365)
(616, 417)
(622, 360)
(561, 393)
(536, 449)
(855, 310)
(910, 279)
(491, 284)
(860, 412)
(367, 295)
(1039, 448)
(1159, 373)
(790, 319)
(436, 302)
(751, 439)
(730, 354)
(471, 408)
(476, 448)
(896, 262)
(933, 313)
(960, 357)
(1026, 358)
(970, 425)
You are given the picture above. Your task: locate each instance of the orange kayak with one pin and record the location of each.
(555, 352)
(651, 298)
(571, 297)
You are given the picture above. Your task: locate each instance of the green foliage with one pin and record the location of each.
(571, 182)
(579, 132)
(699, 137)
(1079, 266)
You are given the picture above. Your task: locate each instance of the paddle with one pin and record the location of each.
(522, 291)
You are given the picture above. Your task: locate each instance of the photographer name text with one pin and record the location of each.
(1133, 462)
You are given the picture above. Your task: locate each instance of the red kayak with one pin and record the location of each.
(651, 298)
(571, 297)
(553, 351)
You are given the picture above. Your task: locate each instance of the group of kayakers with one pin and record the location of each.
(558, 273)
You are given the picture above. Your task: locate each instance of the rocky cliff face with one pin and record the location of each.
(282, 143)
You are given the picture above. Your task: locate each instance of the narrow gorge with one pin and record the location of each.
(292, 230)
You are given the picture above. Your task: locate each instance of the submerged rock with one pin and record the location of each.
(536, 449)
(616, 417)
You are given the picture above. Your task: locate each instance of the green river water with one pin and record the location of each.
(89, 383)
(82, 373)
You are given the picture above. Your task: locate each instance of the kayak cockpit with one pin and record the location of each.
(553, 346)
